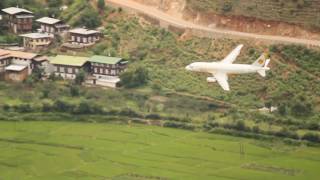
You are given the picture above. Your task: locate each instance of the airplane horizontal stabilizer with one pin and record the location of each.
(262, 73)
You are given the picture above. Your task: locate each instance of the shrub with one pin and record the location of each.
(101, 4)
(311, 137)
(74, 90)
(23, 108)
(179, 125)
(6, 107)
(62, 106)
(134, 78)
(46, 107)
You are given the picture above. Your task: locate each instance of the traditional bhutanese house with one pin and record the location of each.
(52, 25)
(68, 66)
(37, 41)
(16, 73)
(19, 20)
(105, 70)
(84, 37)
(5, 60)
(21, 58)
(107, 66)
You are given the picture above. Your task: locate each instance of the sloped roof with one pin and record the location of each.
(68, 60)
(18, 54)
(83, 31)
(48, 20)
(15, 10)
(105, 59)
(15, 67)
(36, 35)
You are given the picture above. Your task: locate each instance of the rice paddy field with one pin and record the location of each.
(68, 150)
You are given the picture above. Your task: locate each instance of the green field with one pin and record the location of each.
(65, 150)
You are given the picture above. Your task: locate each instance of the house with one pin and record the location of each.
(30, 60)
(5, 60)
(36, 41)
(18, 19)
(105, 70)
(84, 37)
(16, 73)
(20, 58)
(107, 66)
(68, 66)
(52, 25)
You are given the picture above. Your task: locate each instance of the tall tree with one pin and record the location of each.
(101, 4)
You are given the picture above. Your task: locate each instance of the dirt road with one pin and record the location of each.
(203, 30)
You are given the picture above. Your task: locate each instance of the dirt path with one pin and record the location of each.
(203, 30)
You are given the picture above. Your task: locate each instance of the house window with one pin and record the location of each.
(95, 70)
(70, 70)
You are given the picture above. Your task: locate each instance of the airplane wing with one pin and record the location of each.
(222, 79)
(233, 55)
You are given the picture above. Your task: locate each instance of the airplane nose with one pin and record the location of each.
(188, 68)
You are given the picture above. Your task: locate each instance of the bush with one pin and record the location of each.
(89, 19)
(62, 106)
(23, 108)
(74, 90)
(179, 125)
(134, 78)
(46, 107)
(311, 137)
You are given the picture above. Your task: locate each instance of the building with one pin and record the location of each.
(30, 60)
(68, 66)
(52, 25)
(37, 41)
(16, 73)
(84, 37)
(105, 70)
(5, 60)
(18, 19)
(107, 66)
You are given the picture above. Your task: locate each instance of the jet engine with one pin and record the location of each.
(211, 80)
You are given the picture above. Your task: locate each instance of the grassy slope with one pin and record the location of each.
(39, 150)
(292, 11)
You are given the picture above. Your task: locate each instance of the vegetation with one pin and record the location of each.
(291, 11)
(67, 150)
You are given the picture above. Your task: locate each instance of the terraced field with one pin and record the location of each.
(65, 150)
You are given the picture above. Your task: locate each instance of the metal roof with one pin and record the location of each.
(37, 35)
(48, 20)
(15, 10)
(105, 59)
(68, 60)
(15, 67)
(83, 31)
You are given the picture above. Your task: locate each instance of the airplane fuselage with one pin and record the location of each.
(213, 67)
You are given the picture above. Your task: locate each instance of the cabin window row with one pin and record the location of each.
(68, 70)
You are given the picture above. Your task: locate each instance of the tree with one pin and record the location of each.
(89, 19)
(80, 77)
(134, 78)
(101, 4)
(74, 90)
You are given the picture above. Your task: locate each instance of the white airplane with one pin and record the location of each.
(220, 70)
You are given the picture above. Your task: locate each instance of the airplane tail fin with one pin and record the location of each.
(260, 62)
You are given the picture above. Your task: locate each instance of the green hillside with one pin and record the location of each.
(305, 12)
